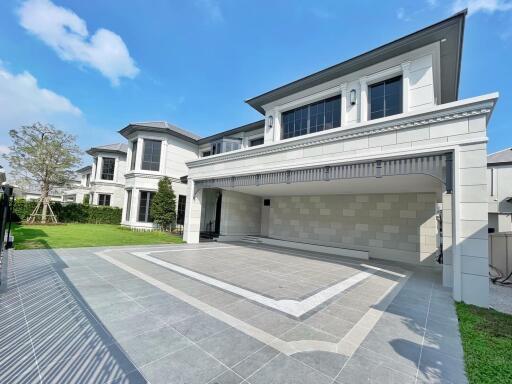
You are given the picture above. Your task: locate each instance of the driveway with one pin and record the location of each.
(224, 313)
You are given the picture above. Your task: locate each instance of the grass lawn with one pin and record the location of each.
(84, 235)
(487, 342)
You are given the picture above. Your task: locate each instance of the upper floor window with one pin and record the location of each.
(255, 142)
(107, 168)
(87, 179)
(151, 155)
(134, 155)
(315, 117)
(224, 145)
(206, 153)
(385, 98)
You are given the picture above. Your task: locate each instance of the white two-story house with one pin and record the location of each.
(107, 178)
(78, 193)
(374, 157)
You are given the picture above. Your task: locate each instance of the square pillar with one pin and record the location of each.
(192, 226)
(470, 220)
(447, 240)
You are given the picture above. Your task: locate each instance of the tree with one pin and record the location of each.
(163, 207)
(44, 155)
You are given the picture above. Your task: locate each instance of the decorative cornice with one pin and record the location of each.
(369, 129)
(133, 175)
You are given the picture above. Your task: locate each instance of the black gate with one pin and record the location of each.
(6, 206)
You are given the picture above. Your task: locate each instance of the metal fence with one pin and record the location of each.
(6, 205)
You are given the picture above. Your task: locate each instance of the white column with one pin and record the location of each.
(100, 167)
(163, 157)
(277, 126)
(134, 211)
(93, 171)
(405, 86)
(138, 162)
(447, 240)
(116, 170)
(363, 99)
(192, 225)
(456, 241)
(269, 132)
(343, 91)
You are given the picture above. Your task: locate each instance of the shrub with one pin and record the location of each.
(70, 213)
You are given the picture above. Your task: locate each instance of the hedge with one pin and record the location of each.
(70, 213)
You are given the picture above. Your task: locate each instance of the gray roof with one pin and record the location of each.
(450, 30)
(243, 128)
(116, 148)
(159, 126)
(84, 169)
(500, 157)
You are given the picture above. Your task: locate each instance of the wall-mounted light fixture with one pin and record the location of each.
(270, 121)
(353, 97)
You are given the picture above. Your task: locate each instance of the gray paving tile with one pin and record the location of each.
(325, 362)
(345, 313)
(228, 377)
(230, 346)
(152, 345)
(366, 367)
(287, 370)
(18, 364)
(133, 325)
(243, 309)
(118, 311)
(190, 365)
(251, 363)
(305, 332)
(330, 324)
(273, 323)
(449, 345)
(436, 367)
(200, 326)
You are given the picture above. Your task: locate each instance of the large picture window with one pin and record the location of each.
(107, 168)
(145, 200)
(385, 98)
(315, 117)
(182, 202)
(151, 155)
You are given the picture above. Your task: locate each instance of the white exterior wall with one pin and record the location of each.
(115, 187)
(175, 153)
(240, 214)
(499, 181)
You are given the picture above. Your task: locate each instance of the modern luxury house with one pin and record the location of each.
(78, 193)
(499, 180)
(375, 157)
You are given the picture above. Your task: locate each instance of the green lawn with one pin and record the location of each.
(487, 341)
(84, 235)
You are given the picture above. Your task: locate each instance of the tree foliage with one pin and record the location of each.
(43, 155)
(163, 207)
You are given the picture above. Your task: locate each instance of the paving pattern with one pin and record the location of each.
(97, 315)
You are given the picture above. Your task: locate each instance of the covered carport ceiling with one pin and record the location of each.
(387, 184)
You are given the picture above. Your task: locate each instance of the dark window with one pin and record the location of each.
(255, 142)
(182, 202)
(134, 155)
(151, 155)
(206, 153)
(87, 179)
(103, 199)
(128, 204)
(315, 117)
(107, 169)
(145, 200)
(266, 202)
(216, 148)
(385, 98)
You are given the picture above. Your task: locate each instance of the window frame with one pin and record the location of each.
(260, 138)
(128, 212)
(144, 161)
(149, 195)
(301, 114)
(180, 212)
(384, 81)
(105, 200)
(103, 173)
(133, 160)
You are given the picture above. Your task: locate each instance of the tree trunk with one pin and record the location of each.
(44, 197)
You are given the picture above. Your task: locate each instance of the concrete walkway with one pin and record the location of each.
(95, 315)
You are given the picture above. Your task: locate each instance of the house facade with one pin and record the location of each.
(80, 192)
(499, 181)
(375, 157)
(107, 178)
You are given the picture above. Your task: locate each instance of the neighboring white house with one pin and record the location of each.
(107, 178)
(366, 157)
(78, 193)
(499, 179)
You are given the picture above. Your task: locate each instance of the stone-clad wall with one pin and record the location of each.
(240, 214)
(399, 227)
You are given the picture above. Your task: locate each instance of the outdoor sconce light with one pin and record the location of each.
(353, 97)
(270, 121)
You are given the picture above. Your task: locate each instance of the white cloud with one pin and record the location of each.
(211, 8)
(65, 32)
(24, 102)
(486, 6)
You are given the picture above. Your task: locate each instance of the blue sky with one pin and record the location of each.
(91, 67)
